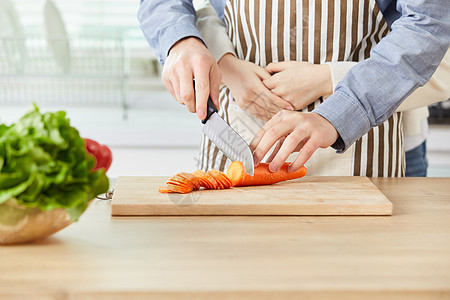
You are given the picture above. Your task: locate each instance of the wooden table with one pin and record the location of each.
(403, 256)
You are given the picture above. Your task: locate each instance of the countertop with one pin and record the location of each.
(403, 256)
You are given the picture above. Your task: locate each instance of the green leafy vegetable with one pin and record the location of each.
(44, 164)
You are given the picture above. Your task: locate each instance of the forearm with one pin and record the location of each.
(213, 31)
(435, 90)
(166, 22)
(402, 61)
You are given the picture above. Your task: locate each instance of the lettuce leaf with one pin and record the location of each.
(44, 164)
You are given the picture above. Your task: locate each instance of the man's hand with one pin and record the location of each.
(189, 59)
(294, 131)
(300, 83)
(245, 82)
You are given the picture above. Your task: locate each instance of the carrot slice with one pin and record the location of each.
(262, 176)
(210, 181)
(192, 178)
(179, 189)
(221, 178)
(164, 190)
(201, 176)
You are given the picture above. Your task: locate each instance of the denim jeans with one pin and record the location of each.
(416, 161)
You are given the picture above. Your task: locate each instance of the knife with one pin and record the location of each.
(227, 139)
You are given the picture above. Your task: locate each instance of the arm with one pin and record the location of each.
(169, 27)
(402, 61)
(166, 22)
(213, 30)
(435, 90)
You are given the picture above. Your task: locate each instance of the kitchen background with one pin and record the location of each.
(89, 58)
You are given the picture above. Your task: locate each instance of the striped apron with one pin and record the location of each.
(317, 32)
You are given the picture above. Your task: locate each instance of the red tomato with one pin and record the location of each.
(102, 154)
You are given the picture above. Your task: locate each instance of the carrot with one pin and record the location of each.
(262, 176)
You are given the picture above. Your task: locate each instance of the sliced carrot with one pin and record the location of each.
(201, 176)
(262, 176)
(192, 178)
(221, 178)
(164, 190)
(179, 189)
(209, 180)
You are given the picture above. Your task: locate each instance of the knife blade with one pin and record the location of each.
(227, 139)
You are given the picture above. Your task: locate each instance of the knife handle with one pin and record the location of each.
(209, 110)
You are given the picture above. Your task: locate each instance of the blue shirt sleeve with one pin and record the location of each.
(165, 22)
(401, 62)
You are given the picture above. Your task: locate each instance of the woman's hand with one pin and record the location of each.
(245, 82)
(294, 131)
(300, 83)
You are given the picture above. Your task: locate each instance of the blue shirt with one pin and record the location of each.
(371, 91)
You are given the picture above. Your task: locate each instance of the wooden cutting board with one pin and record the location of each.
(343, 196)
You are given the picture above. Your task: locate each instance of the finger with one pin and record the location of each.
(176, 89)
(289, 145)
(279, 102)
(169, 87)
(201, 91)
(276, 67)
(275, 151)
(187, 90)
(305, 153)
(214, 81)
(269, 139)
(270, 82)
(271, 101)
(259, 135)
(262, 73)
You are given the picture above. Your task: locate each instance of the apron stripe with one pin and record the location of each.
(305, 30)
(354, 29)
(261, 32)
(284, 37)
(299, 30)
(311, 39)
(370, 157)
(254, 18)
(342, 30)
(376, 151)
(330, 31)
(348, 28)
(381, 160)
(317, 32)
(357, 158)
(390, 142)
(274, 31)
(268, 31)
(357, 55)
(293, 31)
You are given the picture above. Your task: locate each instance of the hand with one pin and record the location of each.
(300, 83)
(294, 131)
(245, 82)
(189, 59)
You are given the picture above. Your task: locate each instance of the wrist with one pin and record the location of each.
(187, 42)
(226, 66)
(326, 80)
